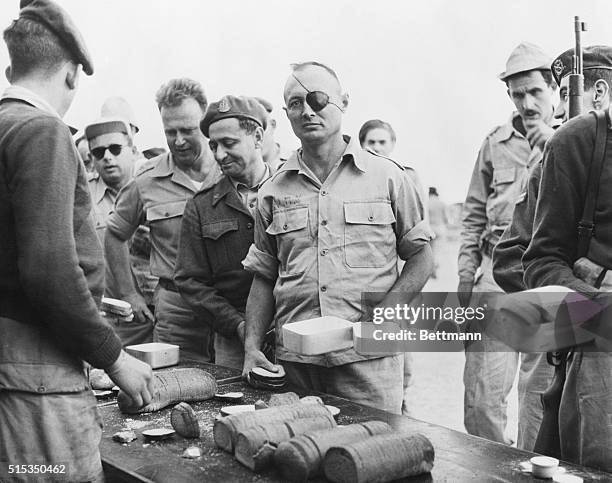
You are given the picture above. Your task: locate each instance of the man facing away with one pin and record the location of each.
(331, 224)
(158, 195)
(51, 264)
(218, 224)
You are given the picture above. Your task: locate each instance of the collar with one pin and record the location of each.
(352, 152)
(164, 167)
(506, 131)
(100, 189)
(265, 176)
(227, 186)
(24, 94)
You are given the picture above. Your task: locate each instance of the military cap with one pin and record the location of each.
(106, 125)
(266, 104)
(525, 57)
(593, 57)
(232, 106)
(56, 19)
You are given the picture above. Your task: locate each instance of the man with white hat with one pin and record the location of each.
(113, 153)
(505, 158)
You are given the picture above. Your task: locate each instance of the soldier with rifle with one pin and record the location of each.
(535, 375)
(570, 246)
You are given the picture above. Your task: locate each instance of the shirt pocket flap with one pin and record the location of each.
(166, 210)
(368, 213)
(285, 221)
(215, 230)
(505, 175)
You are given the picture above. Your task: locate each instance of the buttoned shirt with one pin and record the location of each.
(156, 197)
(324, 243)
(103, 199)
(503, 162)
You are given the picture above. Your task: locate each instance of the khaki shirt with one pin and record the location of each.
(323, 244)
(156, 197)
(103, 201)
(502, 165)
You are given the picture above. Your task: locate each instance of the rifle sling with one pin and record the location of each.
(586, 226)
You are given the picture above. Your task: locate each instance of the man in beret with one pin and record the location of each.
(536, 373)
(271, 151)
(52, 274)
(505, 157)
(157, 196)
(586, 403)
(331, 224)
(217, 227)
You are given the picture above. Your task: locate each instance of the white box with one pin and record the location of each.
(156, 354)
(318, 336)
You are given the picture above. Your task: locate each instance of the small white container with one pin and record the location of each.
(318, 336)
(544, 466)
(156, 354)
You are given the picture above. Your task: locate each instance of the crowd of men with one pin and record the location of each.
(221, 240)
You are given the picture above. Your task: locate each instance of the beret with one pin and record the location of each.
(107, 125)
(593, 57)
(232, 106)
(525, 57)
(267, 104)
(56, 19)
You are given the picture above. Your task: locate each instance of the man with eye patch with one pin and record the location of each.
(504, 160)
(217, 227)
(332, 223)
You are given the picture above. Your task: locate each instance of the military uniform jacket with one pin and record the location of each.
(216, 233)
(503, 162)
(553, 248)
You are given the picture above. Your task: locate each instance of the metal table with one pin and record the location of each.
(459, 457)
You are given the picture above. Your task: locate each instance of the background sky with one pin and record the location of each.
(428, 67)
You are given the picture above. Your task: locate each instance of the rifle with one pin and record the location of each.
(576, 79)
(548, 440)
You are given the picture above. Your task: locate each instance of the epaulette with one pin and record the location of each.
(397, 163)
(148, 166)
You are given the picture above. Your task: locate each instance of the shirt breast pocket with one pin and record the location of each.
(294, 245)
(218, 239)
(369, 239)
(164, 219)
(504, 176)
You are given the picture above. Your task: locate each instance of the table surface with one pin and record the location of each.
(459, 457)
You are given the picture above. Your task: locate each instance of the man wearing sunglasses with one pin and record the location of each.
(158, 195)
(331, 224)
(114, 156)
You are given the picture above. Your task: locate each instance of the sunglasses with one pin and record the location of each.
(317, 100)
(115, 150)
